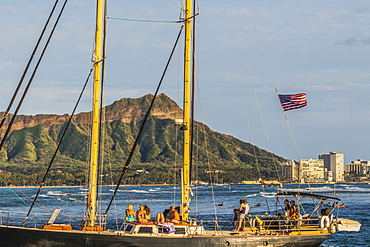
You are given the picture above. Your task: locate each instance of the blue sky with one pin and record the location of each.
(318, 47)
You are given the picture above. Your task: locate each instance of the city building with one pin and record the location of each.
(288, 171)
(334, 162)
(328, 176)
(312, 171)
(358, 167)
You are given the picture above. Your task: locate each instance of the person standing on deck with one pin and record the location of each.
(243, 210)
(287, 207)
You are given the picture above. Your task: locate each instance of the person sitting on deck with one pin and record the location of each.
(159, 219)
(130, 213)
(141, 215)
(168, 226)
(294, 215)
(147, 212)
(172, 216)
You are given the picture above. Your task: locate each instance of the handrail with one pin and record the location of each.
(270, 224)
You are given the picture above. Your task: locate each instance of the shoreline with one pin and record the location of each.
(145, 185)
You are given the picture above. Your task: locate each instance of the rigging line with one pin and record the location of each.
(206, 148)
(57, 149)
(176, 160)
(178, 85)
(196, 81)
(29, 198)
(273, 81)
(243, 99)
(259, 107)
(129, 194)
(181, 4)
(206, 143)
(125, 168)
(198, 129)
(137, 20)
(32, 76)
(193, 169)
(11, 189)
(6, 113)
(255, 94)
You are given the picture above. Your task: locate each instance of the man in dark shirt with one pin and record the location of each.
(173, 216)
(287, 206)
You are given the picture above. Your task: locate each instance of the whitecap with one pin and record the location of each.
(251, 195)
(139, 191)
(354, 189)
(268, 194)
(297, 190)
(56, 193)
(325, 188)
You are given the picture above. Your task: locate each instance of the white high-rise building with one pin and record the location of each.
(334, 162)
(312, 171)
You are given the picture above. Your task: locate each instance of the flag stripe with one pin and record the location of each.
(292, 101)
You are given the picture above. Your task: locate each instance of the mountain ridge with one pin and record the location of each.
(167, 109)
(31, 145)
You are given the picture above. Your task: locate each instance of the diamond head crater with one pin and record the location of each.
(33, 140)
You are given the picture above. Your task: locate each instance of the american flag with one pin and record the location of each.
(292, 101)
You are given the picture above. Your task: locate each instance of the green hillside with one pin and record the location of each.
(28, 151)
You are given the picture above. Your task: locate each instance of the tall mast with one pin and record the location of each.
(95, 132)
(185, 183)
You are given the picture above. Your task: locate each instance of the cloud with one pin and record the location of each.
(357, 40)
(320, 47)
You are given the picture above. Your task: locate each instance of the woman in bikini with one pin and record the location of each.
(130, 213)
(243, 210)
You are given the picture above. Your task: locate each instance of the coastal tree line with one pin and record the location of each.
(78, 177)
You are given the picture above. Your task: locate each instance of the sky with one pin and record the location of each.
(244, 50)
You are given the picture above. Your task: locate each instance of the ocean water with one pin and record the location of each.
(71, 200)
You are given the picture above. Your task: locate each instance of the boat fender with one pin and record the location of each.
(259, 220)
(324, 221)
(332, 228)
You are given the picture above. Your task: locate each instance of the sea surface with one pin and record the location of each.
(71, 200)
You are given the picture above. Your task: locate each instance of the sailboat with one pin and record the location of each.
(257, 231)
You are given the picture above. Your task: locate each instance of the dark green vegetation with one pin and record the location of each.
(217, 157)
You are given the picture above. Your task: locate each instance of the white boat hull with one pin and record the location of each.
(348, 225)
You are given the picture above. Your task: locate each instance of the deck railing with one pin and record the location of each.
(252, 224)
